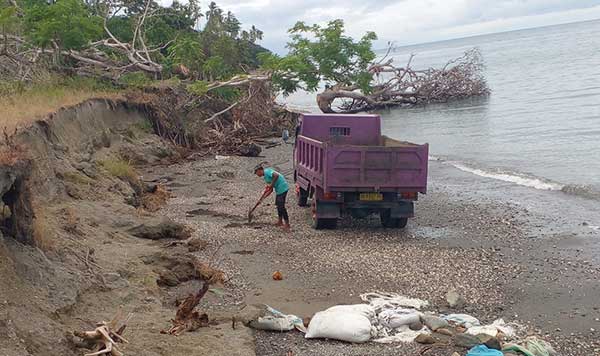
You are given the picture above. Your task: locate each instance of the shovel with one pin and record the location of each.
(265, 194)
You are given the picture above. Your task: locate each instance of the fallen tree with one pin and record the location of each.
(395, 86)
(21, 56)
(201, 117)
(355, 80)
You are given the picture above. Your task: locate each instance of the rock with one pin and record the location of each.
(82, 166)
(455, 300)
(196, 244)
(466, 340)
(416, 326)
(433, 322)
(115, 281)
(425, 339)
(249, 313)
(249, 150)
(444, 331)
(490, 341)
(164, 230)
(167, 278)
(455, 354)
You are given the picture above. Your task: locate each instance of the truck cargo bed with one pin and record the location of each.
(394, 166)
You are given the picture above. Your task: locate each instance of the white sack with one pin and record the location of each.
(339, 325)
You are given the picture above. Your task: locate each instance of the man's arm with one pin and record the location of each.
(274, 180)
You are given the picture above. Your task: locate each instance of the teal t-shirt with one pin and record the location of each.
(281, 186)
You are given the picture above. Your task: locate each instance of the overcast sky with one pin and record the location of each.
(407, 21)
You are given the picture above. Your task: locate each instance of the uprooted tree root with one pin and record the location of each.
(186, 318)
(104, 338)
(210, 124)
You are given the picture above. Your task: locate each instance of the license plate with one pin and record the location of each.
(371, 196)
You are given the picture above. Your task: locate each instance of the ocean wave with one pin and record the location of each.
(526, 180)
(511, 177)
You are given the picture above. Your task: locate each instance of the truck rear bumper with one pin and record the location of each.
(333, 210)
(398, 209)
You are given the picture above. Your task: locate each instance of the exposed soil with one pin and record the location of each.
(81, 262)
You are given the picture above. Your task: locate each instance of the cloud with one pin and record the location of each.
(407, 21)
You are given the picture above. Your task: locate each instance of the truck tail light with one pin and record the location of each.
(330, 196)
(408, 195)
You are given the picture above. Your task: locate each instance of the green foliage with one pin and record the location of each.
(199, 87)
(187, 50)
(135, 79)
(226, 93)
(121, 27)
(221, 49)
(68, 23)
(322, 54)
(215, 68)
(8, 19)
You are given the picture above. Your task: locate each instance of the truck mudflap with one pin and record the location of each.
(404, 209)
(328, 210)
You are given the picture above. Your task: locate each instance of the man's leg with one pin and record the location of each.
(283, 211)
(279, 211)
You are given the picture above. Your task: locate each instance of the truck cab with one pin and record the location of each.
(345, 166)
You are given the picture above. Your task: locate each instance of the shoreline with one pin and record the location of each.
(458, 238)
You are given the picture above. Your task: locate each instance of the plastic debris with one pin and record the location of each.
(482, 350)
(401, 334)
(462, 319)
(275, 320)
(277, 276)
(493, 329)
(534, 347)
(381, 301)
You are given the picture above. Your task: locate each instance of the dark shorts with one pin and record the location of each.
(280, 200)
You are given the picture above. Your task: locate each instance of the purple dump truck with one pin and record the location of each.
(347, 167)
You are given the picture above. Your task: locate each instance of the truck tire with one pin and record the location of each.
(389, 222)
(321, 223)
(302, 197)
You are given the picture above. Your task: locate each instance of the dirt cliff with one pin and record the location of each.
(71, 195)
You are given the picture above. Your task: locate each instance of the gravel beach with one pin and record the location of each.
(491, 251)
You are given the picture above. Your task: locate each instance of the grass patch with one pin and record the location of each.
(22, 104)
(119, 168)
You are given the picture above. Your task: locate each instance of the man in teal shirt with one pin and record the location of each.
(276, 181)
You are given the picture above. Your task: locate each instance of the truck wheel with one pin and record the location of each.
(320, 223)
(302, 197)
(389, 222)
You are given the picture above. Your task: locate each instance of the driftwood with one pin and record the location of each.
(395, 86)
(238, 128)
(104, 338)
(186, 318)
